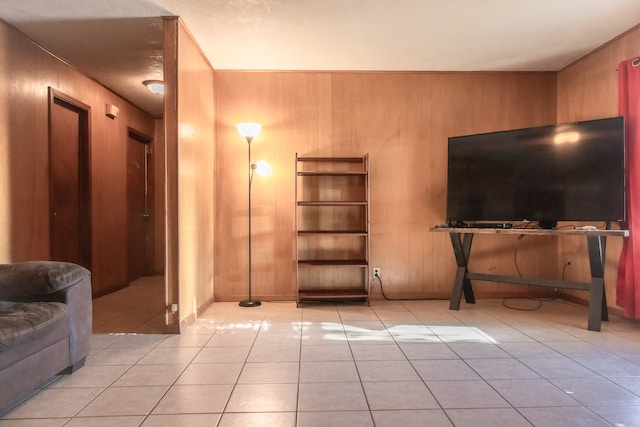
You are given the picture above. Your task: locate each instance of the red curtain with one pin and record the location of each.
(628, 286)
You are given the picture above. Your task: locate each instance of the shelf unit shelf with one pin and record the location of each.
(355, 293)
(331, 203)
(332, 233)
(332, 228)
(330, 173)
(332, 263)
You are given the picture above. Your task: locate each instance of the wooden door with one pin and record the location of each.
(70, 213)
(139, 203)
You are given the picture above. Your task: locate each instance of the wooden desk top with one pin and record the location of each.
(532, 231)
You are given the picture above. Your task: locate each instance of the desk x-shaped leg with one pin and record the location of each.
(461, 249)
(597, 296)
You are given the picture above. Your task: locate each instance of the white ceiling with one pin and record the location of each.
(119, 42)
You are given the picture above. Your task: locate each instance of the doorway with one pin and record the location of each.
(140, 306)
(139, 203)
(70, 195)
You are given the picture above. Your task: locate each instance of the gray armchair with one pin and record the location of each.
(45, 324)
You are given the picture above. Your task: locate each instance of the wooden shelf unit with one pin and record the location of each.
(332, 228)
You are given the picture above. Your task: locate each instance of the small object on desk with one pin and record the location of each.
(490, 225)
(586, 227)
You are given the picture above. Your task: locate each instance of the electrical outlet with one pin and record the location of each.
(376, 272)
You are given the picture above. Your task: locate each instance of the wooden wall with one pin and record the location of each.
(403, 121)
(190, 177)
(26, 73)
(588, 89)
(159, 212)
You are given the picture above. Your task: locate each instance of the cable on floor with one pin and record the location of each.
(378, 279)
(538, 300)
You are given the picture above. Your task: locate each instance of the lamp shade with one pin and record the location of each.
(249, 130)
(263, 168)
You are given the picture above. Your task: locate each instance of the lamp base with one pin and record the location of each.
(249, 303)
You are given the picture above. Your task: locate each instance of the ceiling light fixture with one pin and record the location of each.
(155, 86)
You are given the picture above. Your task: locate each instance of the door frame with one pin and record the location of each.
(84, 170)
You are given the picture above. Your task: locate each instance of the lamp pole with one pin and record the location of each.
(249, 131)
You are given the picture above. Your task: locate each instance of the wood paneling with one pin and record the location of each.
(159, 221)
(191, 177)
(26, 73)
(403, 121)
(172, 272)
(588, 89)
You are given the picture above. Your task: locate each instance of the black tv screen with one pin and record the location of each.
(565, 172)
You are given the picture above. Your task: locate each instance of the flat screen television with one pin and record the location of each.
(565, 172)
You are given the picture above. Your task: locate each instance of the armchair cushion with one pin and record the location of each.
(26, 279)
(24, 322)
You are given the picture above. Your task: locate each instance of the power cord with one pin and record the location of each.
(377, 278)
(539, 300)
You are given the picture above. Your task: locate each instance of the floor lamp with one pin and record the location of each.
(249, 131)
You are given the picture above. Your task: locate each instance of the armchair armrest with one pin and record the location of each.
(25, 280)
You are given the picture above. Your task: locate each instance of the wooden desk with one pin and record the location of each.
(461, 239)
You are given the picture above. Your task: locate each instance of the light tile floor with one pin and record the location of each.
(401, 363)
(137, 308)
